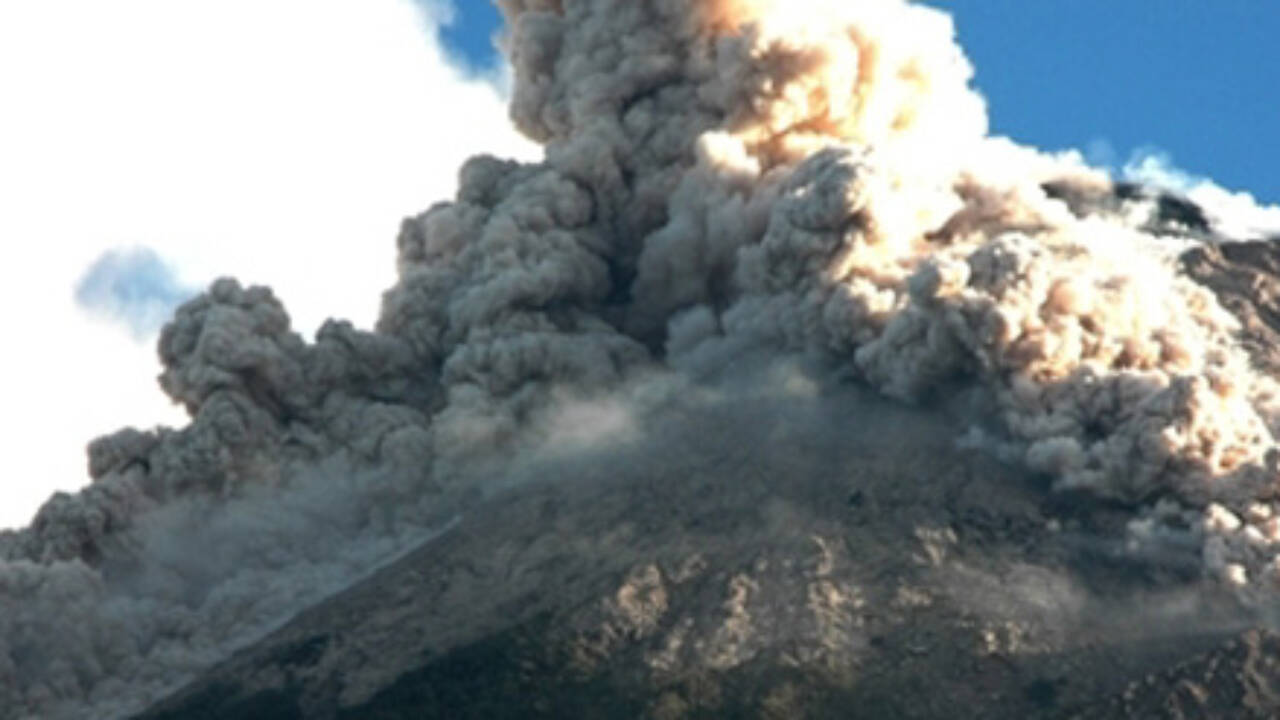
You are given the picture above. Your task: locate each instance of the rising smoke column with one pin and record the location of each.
(796, 177)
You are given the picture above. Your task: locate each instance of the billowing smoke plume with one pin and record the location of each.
(721, 178)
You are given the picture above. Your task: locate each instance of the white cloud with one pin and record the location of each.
(1235, 214)
(280, 142)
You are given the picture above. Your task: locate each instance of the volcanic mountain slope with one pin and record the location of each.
(848, 577)
(913, 580)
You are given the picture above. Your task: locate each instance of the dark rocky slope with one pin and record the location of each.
(858, 578)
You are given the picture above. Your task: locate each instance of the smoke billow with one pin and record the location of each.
(721, 178)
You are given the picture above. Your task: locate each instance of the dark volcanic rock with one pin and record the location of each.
(1246, 278)
(879, 573)
(1239, 679)
(1167, 213)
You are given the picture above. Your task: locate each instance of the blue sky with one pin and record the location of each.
(135, 287)
(470, 34)
(1193, 78)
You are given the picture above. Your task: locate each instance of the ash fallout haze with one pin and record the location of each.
(635, 224)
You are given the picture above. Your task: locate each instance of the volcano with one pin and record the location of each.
(777, 388)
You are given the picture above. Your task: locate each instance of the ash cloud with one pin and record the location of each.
(736, 178)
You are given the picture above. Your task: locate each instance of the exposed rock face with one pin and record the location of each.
(1246, 278)
(925, 582)
(1238, 679)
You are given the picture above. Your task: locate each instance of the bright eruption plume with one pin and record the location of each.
(721, 178)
